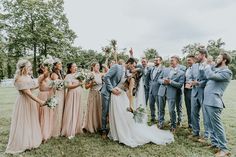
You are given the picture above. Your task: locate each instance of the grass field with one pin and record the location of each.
(93, 145)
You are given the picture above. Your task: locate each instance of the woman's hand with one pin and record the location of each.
(130, 109)
(41, 103)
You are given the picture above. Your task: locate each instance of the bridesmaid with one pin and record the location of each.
(73, 114)
(25, 131)
(46, 114)
(93, 117)
(57, 74)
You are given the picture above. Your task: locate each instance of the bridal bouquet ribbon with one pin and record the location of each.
(51, 102)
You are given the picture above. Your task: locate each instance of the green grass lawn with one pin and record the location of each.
(93, 145)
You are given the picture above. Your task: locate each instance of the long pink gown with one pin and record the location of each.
(25, 130)
(73, 113)
(46, 114)
(58, 113)
(93, 117)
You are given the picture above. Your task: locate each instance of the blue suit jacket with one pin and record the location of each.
(112, 79)
(177, 81)
(199, 75)
(218, 80)
(153, 83)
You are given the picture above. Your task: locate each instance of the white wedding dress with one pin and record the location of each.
(124, 129)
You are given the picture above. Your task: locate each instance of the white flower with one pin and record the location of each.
(58, 84)
(51, 102)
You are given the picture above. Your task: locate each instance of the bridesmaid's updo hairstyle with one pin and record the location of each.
(21, 68)
(93, 65)
(69, 65)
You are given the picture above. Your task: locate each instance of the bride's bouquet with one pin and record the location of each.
(58, 84)
(138, 114)
(51, 102)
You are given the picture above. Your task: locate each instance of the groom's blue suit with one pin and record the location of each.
(111, 80)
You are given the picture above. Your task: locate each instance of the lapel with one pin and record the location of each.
(152, 73)
(159, 71)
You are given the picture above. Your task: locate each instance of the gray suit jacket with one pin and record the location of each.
(153, 83)
(112, 79)
(218, 80)
(177, 81)
(199, 75)
(144, 77)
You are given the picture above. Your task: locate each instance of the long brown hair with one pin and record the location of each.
(93, 65)
(60, 74)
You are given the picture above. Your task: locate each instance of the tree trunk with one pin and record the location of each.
(35, 60)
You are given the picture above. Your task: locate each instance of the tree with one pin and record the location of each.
(37, 27)
(150, 53)
(214, 47)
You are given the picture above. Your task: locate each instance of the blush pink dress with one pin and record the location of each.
(25, 130)
(46, 114)
(93, 117)
(58, 113)
(73, 113)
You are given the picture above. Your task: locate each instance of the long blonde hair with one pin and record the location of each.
(20, 67)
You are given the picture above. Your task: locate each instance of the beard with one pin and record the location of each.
(218, 64)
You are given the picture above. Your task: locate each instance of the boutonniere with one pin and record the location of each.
(175, 72)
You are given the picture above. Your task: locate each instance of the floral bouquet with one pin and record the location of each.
(51, 102)
(58, 84)
(139, 114)
(89, 77)
(81, 75)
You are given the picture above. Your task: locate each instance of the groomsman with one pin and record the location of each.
(144, 77)
(152, 79)
(171, 79)
(188, 88)
(179, 100)
(218, 80)
(198, 83)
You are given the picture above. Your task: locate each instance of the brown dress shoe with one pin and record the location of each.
(202, 140)
(222, 153)
(104, 135)
(173, 130)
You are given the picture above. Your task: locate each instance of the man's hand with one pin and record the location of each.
(188, 85)
(131, 52)
(195, 83)
(166, 81)
(115, 91)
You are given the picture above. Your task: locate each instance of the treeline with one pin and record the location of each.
(37, 28)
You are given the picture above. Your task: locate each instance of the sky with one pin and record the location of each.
(166, 25)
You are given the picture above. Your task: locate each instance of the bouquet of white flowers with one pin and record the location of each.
(89, 77)
(58, 84)
(139, 114)
(81, 75)
(51, 102)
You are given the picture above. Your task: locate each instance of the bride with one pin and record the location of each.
(123, 128)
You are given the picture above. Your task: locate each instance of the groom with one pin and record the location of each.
(111, 80)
